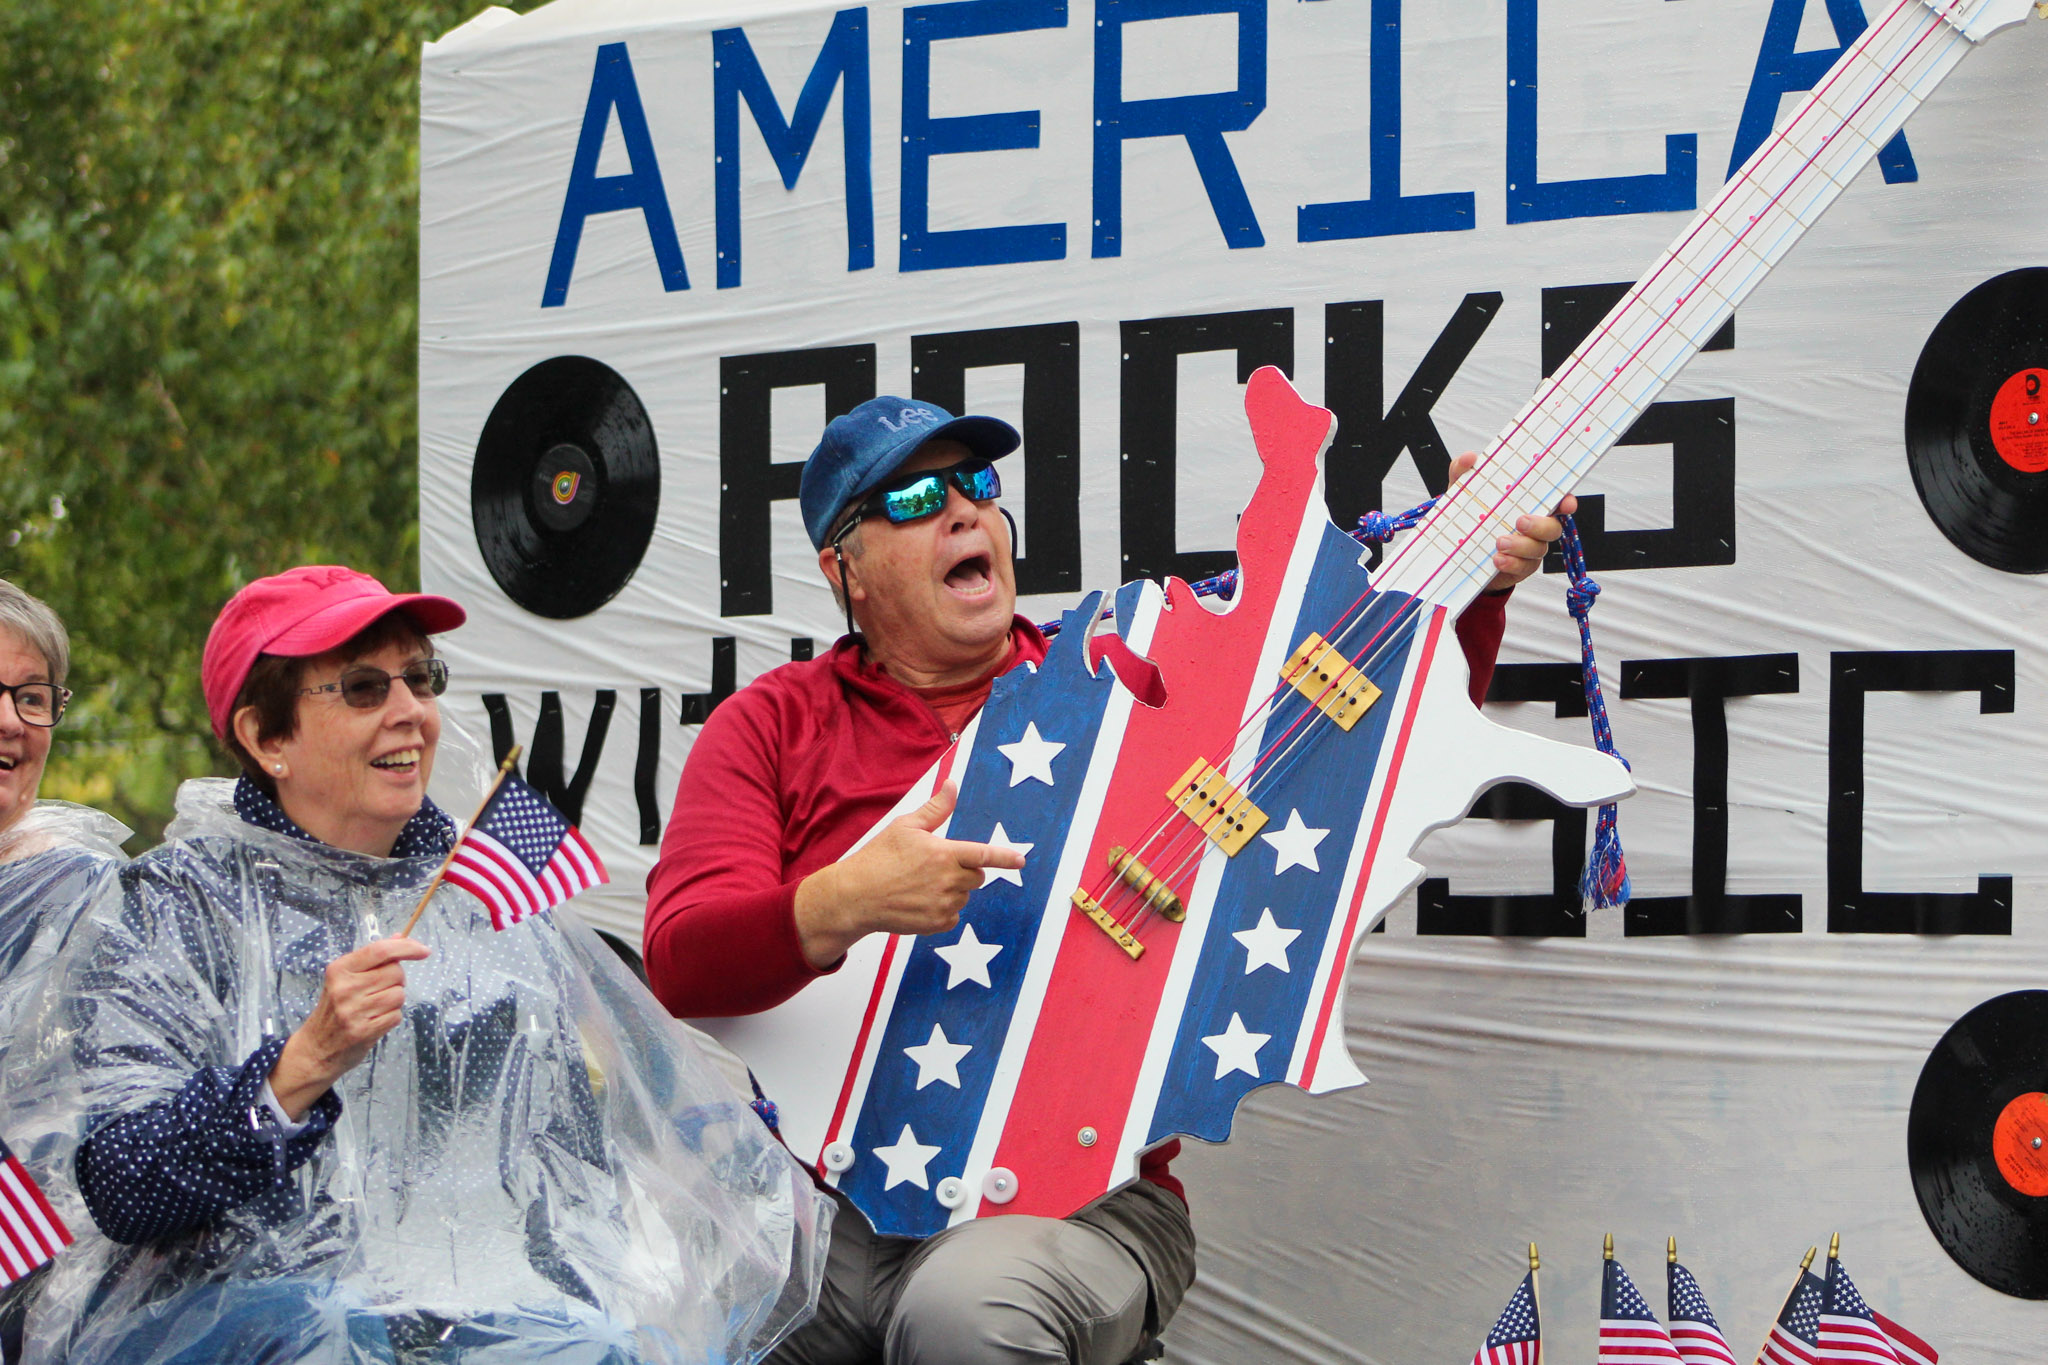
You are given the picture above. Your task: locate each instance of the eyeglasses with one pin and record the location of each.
(913, 497)
(37, 703)
(366, 688)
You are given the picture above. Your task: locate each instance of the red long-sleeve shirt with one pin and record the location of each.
(784, 777)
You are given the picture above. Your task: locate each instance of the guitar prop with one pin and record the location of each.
(1200, 870)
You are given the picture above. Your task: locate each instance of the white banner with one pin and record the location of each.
(663, 247)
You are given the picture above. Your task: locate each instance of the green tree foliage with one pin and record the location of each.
(208, 302)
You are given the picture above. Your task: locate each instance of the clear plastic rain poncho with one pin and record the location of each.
(537, 1164)
(53, 862)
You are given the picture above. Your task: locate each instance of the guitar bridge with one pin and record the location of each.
(1150, 889)
(1106, 922)
(1319, 671)
(1223, 812)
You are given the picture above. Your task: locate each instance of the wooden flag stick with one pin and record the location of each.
(1797, 1280)
(504, 769)
(1536, 1297)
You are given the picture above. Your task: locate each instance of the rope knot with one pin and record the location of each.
(764, 1107)
(1377, 528)
(1578, 598)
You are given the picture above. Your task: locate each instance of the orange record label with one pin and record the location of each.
(2019, 1140)
(2019, 421)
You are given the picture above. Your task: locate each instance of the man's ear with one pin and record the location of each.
(834, 562)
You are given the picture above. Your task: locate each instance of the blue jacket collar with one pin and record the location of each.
(429, 834)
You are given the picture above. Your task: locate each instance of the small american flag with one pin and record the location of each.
(1693, 1329)
(521, 857)
(1629, 1332)
(1907, 1347)
(1517, 1337)
(30, 1230)
(1849, 1335)
(1795, 1336)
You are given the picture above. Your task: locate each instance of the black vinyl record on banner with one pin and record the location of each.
(565, 487)
(1977, 423)
(1977, 1143)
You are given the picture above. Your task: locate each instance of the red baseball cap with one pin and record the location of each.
(298, 613)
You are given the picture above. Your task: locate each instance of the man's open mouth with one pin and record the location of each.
(970, 575)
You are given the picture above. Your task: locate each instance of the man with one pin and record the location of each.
(755, 893)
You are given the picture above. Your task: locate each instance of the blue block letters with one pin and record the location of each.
(1780, 71)
(1388, 211)
(1531, 201)
(925, 137)
(736, 72)
(1201, 119)
(612, 88)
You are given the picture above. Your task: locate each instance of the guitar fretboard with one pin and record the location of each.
(1618, 371)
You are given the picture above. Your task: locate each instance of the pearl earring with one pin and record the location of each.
(277, 768)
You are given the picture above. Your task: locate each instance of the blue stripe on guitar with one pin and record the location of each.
(1067, 706)
(1248, 1000)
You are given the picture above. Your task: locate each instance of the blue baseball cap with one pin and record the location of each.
(863, 448)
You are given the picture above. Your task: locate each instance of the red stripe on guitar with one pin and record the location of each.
(1335, 985)
(867, 1022)
(1209, 662)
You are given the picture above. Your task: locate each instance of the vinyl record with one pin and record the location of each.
(565, 487)
(1977, 1143)
(1977, 423)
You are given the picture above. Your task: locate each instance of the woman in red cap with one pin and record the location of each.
(342, 1146)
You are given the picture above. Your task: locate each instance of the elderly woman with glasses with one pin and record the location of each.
(54, 856)
(52, 853)
(298, 1138)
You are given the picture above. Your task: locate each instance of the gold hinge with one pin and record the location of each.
(1319, 671)
(1224, 813)
(1125, 940)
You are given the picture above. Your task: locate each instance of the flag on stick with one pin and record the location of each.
(1516, 1339)
(31, 1233)
(521, 857)
(1849, 1335)
(1629, 1332)
(1795, 1336)
(1907, 1347)
(1693, 1329)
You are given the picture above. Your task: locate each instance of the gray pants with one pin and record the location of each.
(1090, 1289)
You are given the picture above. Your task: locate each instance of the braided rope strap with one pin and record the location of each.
(764, 1106)
(1377, 528)
(1374, 528)
(1605, 883)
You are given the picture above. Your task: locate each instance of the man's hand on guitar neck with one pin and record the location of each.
(906, 880)
(1517, 556)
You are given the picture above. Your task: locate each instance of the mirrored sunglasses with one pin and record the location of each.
(37, 703)
(913, 497)
(366, 688)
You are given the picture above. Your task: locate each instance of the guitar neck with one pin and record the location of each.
(1694, 287)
